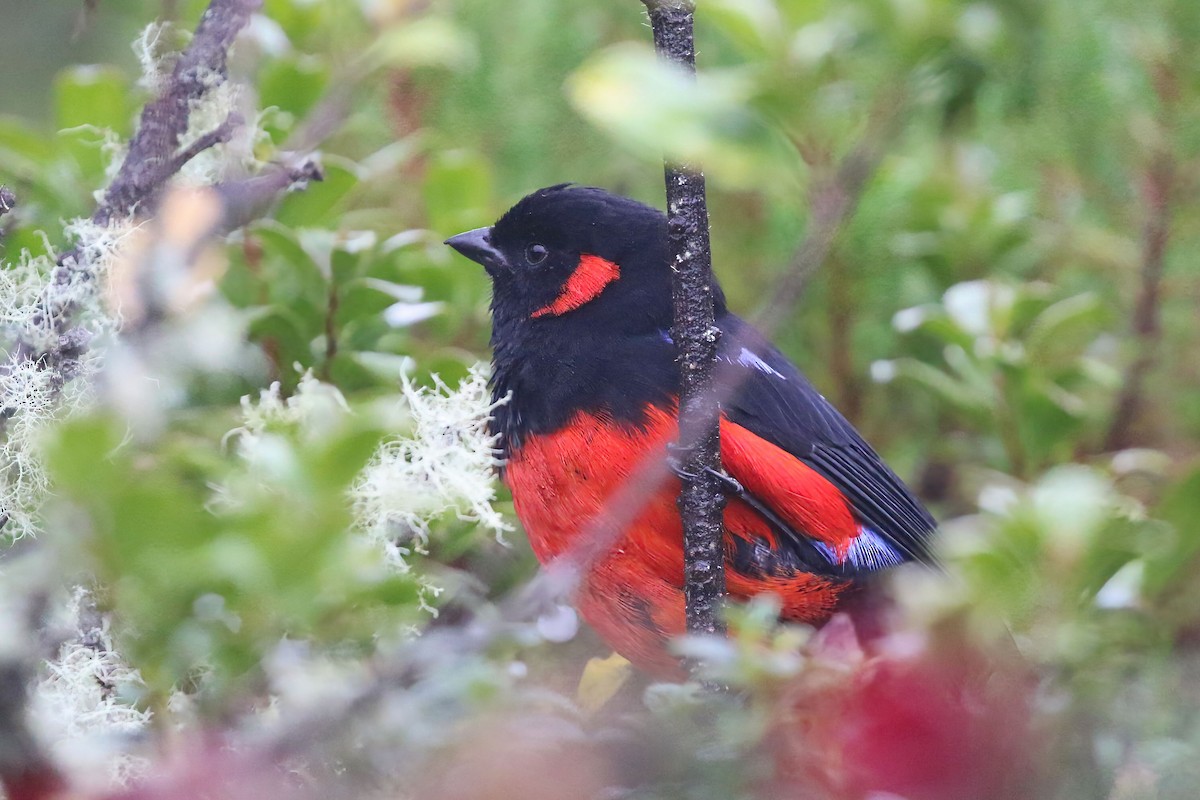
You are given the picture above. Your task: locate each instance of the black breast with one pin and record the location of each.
(554, 372)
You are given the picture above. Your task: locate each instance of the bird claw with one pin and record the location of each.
(730, 484)
(677, 454)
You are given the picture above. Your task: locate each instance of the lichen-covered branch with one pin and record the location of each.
(8, 200)
(701, 500)
(154, 152)
(49, 346)
(154, 158)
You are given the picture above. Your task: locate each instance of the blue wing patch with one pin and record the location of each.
(868, 552)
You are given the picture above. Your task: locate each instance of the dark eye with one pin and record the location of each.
(536, 254)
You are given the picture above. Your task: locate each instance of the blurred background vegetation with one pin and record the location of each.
(1008, 315)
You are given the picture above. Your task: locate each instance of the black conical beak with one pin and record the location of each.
(477, 246)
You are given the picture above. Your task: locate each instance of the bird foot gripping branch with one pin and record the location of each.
(678, 455)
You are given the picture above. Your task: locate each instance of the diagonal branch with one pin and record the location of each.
(831, 203)
(153, 156)
(218, 135)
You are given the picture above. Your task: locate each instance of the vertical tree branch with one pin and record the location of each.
(1158, 189)
(26, 771)
(1145, 326)
(701, 500)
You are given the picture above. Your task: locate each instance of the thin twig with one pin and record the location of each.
(247, 200)
(701, 499)
(840, 314)
(832, 202)
(331, 332)
(219, 135)
(84, 19)
(8, 201)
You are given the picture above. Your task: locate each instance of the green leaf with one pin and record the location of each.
(1180, 507)
(19, 140)
(1061, 332)
(458, 191)
(291, 270)
(429, 41)
(955, 392)
(293, 85)
(755, 25)
(654, 108)
(315, 205)
(362, 299)
(352, 255)
(289, 334)
(95, 96)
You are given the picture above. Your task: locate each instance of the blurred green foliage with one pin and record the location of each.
(974, 319)
(213, 582)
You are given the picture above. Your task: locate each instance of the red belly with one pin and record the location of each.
(632, 594)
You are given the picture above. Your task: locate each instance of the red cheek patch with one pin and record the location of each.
(585, 284)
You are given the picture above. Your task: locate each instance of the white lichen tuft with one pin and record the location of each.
(155, 56)
(100, 249)
(221, 98)
(235, 158)
(29, 400)
(446, 464)
(36, 298)
(314, 408)
(206, 114)
(78, 707)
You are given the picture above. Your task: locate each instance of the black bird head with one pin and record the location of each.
(567, 256)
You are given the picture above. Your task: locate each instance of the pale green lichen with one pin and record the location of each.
(154, 55)
(79, 708)
(42, 309)
(40, 302)
(445, 465)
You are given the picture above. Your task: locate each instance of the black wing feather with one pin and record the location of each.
(774, 401)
